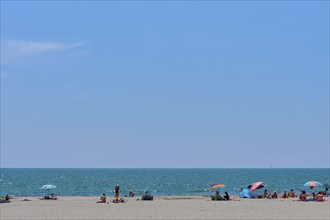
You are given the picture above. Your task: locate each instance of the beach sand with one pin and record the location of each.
(180, 207)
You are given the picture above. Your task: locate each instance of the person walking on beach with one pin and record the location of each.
(117, 191)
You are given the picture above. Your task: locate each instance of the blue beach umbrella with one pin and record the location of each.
(246, 194)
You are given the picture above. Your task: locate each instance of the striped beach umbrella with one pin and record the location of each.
(214, 186)
(313, 184)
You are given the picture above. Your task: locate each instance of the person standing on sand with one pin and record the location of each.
(117, 191)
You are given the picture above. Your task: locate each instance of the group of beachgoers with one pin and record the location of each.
(303, 196)
(317, 197)
(5, 199)
(218, 197)
(116, 199)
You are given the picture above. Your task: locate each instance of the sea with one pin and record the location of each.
(161, 182)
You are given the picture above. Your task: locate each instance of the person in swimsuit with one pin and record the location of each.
(265, 194)
(226, 196)
(117, 191)
(103, 199)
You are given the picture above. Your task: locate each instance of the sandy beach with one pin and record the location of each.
(181, 207)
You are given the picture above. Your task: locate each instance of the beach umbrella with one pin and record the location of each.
(255, 186)
(245, 194)
(259, 187)
(214, 186)
(312, 184)
(48, 187)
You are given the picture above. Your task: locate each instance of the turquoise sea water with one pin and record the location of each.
(93, 182)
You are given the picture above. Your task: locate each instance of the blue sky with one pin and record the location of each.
(165, 84)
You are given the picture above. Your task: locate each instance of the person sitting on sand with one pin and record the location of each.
(322, 193)
(147, 196)
(303, 196)
(217, 196)
(265, 195)
(269, 196)
(131, 193)
(319, 198)
(103, 199)
(291, 194)
(226, 196)
(53, 196)
(313, 197)
(274, 196)
(284, 195)
(116, 200)
(5, 199)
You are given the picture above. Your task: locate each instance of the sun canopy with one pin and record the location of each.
(313, 184)
(246, 194)
(214, 186)
(48, 187)
(255, 186)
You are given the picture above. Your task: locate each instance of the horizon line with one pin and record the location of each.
(164, 167)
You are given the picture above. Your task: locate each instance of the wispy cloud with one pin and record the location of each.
(33, 47)
(14, 50)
